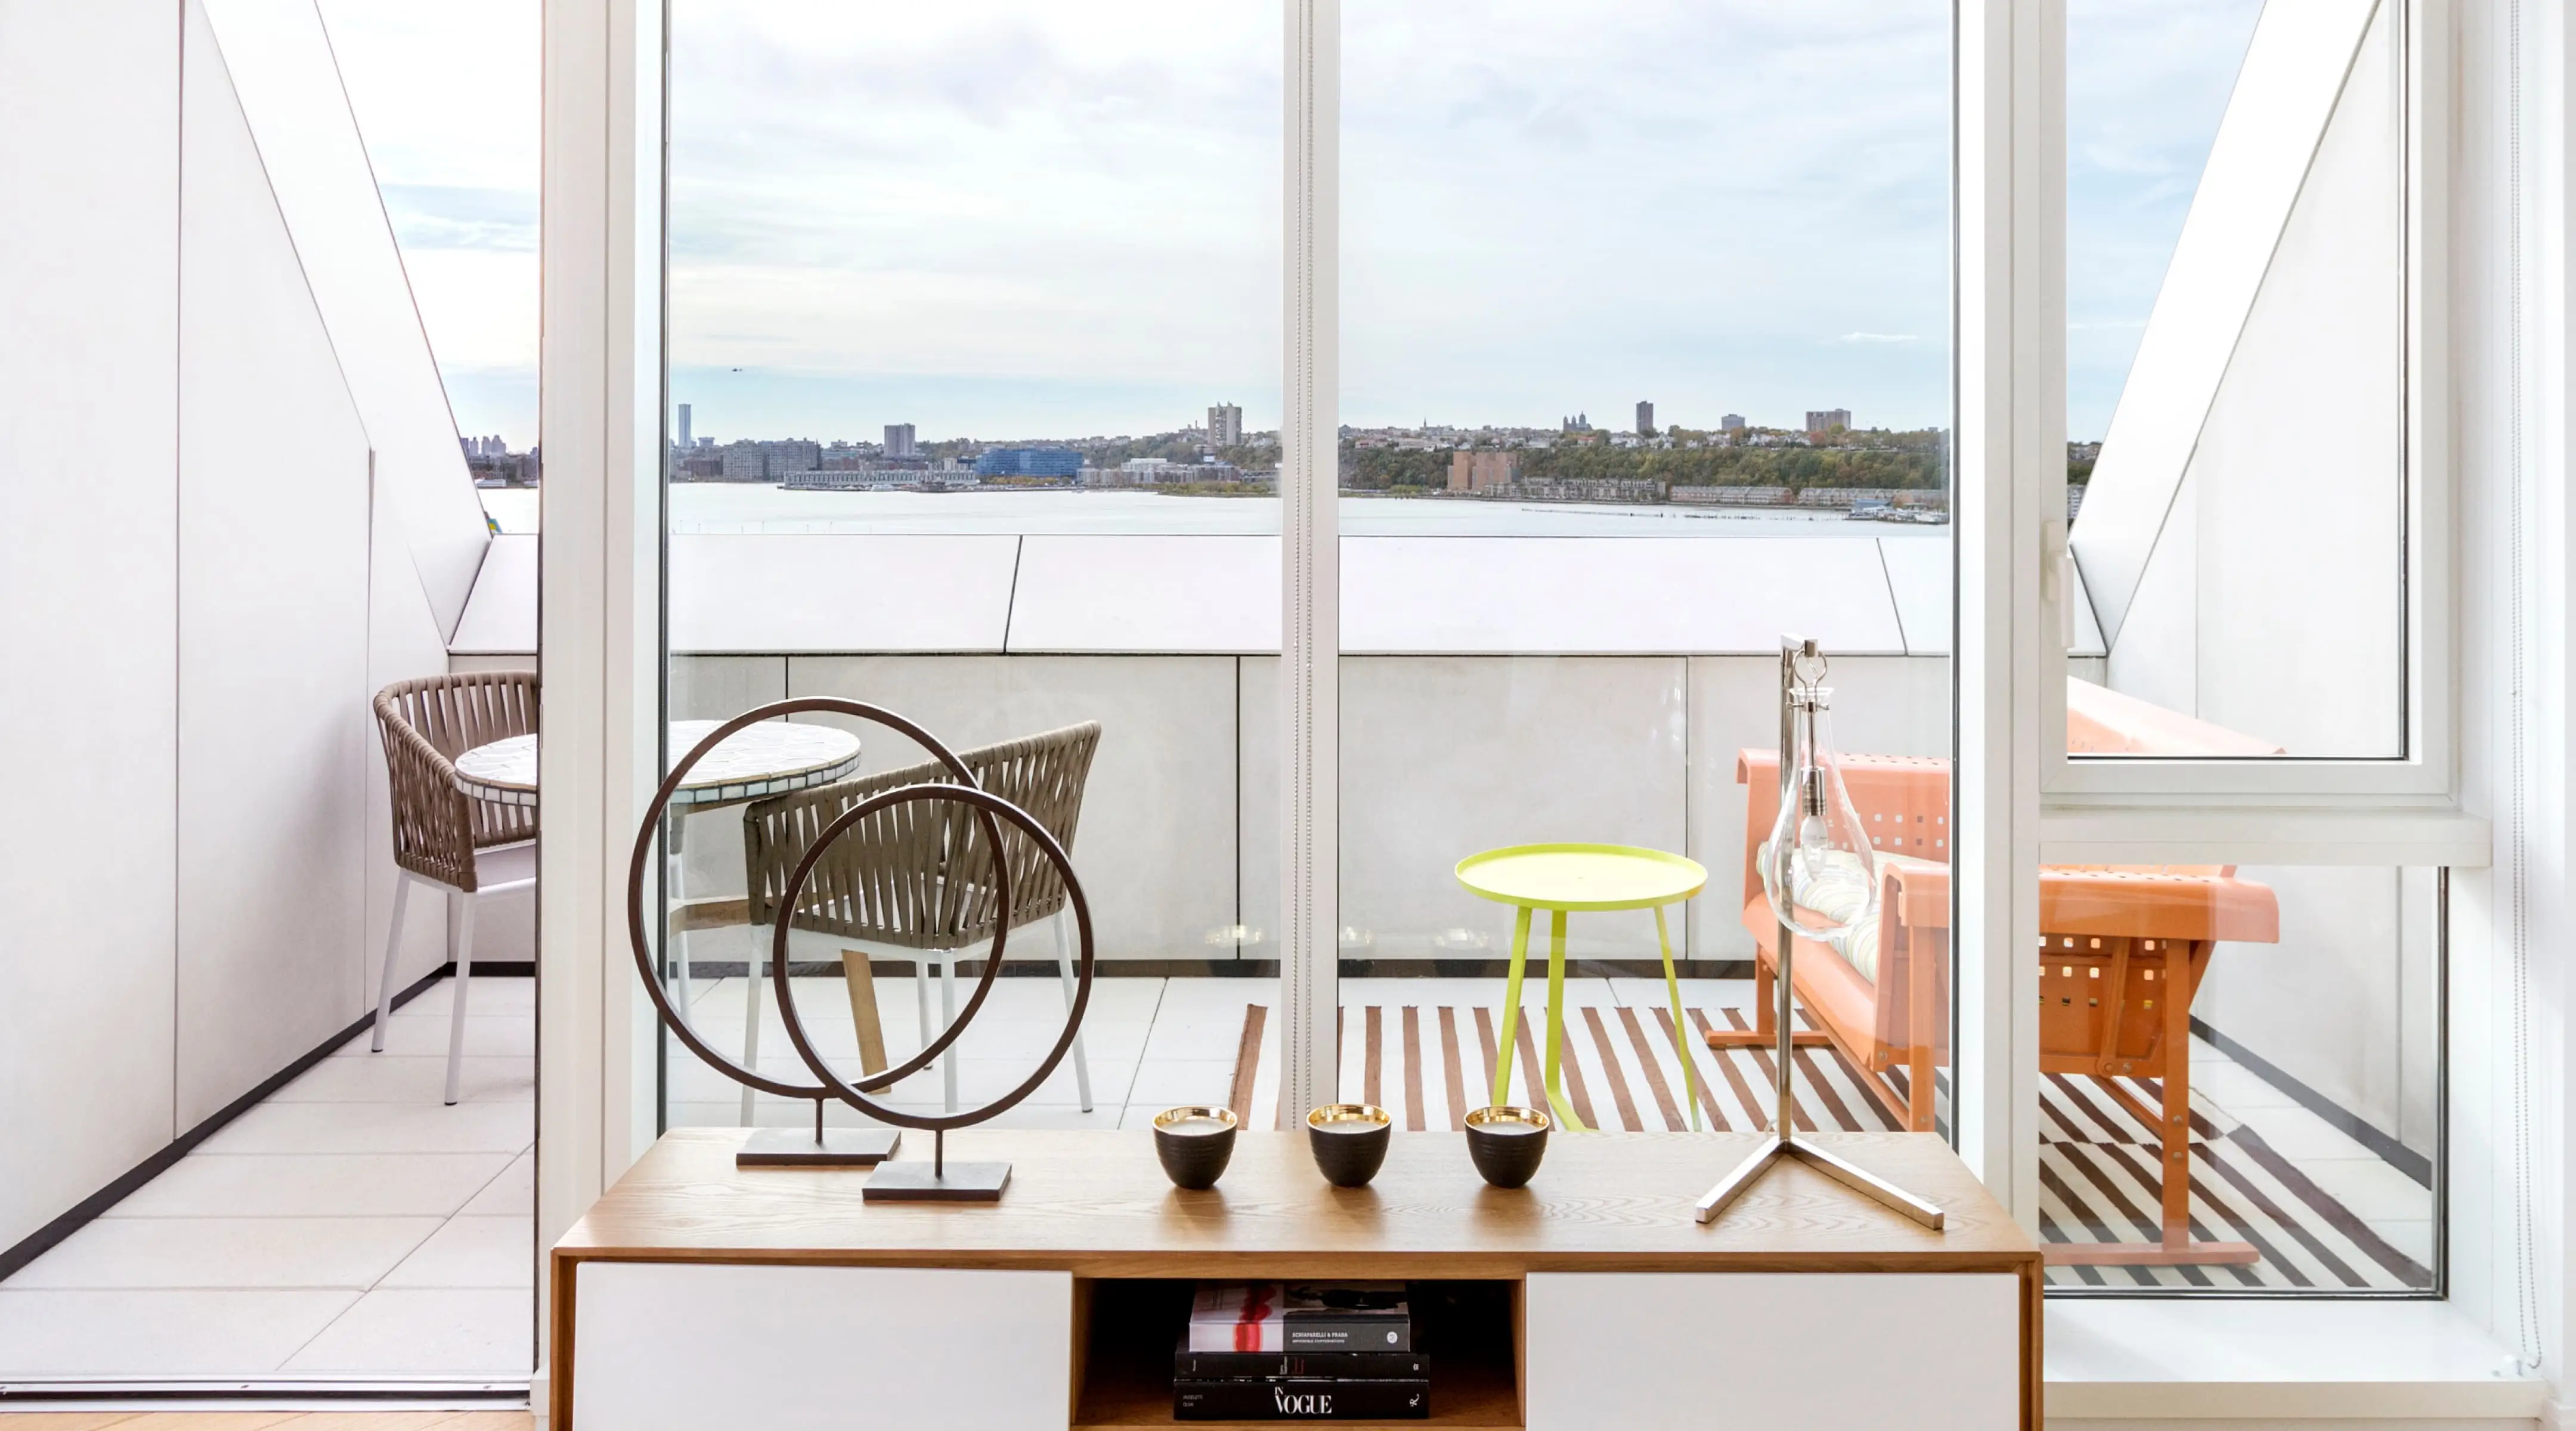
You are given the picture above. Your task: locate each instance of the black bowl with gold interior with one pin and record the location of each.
(1506, 1144)
(1195, 1144)
(1349, 1141)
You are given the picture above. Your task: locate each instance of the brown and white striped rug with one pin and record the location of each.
(1428, 1065)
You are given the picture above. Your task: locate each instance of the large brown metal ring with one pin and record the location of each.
(678, 1023)
(989, 804)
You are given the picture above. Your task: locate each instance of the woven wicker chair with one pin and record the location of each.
(918, 876)
(466, 848)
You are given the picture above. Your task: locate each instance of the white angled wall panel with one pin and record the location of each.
(290, 90)
(89, 162)
(1688, 1351)
(1163, 593)
(273, 601)
(1614, 595)
(820, 1348)
(831, 593)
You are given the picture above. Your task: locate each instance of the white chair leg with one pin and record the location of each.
(460, 938)
(1064, 972)
(756, 967)
(947, 1020)
(393, 947)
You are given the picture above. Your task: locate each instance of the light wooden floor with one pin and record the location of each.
(268, 1421)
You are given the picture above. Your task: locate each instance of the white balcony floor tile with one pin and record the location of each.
(507, 1032)
(249, 1252)
(472, 1252)
(315, 1185)
(406, 1078)
(513, 1193)
(425, 1332)
(159, 1332)
(2374, 1191)
(378, 1128)
(490, 996)
(2299, 1135)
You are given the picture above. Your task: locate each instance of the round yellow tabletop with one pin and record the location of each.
(1581, 877)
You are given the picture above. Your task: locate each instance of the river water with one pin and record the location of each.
(702, 508)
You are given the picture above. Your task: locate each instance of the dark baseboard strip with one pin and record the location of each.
(429, 1395)
(2392, 1152)
(1258, 968)
(43, 1239)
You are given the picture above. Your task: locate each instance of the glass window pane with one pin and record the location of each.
(2235, 370)
(1726, 232)
(2308, 1002)
(973, 365)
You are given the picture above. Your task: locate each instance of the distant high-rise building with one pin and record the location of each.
(769, 461)
(899, 441)
(1480, 471)
(1732, 422)
(1645, 419)
(1225, 425)
(684, 426)
(1826, 421)
(1029, 462)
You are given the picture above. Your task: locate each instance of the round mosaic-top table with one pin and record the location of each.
(770, 758)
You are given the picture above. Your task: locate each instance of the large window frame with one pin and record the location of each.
(2274, 795)
(2017, 799)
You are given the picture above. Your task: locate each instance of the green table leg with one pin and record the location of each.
(1681, 1045)
(1556, 1019)
(1511, 1006)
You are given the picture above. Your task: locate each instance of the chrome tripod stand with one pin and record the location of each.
(1804, 781)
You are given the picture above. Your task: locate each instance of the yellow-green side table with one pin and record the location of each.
(1565, 879)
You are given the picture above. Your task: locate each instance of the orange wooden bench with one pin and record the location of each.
(2123, 950)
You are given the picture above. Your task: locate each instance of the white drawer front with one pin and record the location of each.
(665, 1346)
(1783, 1351)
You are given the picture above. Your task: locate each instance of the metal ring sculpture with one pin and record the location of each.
(967, 792)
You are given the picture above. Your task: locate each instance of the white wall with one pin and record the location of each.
(88, 595)
(273, 558)
(317, 167)
(192, 624)
(2244, 535)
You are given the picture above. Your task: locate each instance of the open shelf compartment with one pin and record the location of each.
(1126, 1329)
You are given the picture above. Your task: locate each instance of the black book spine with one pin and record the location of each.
(1383, 1334)
(1301, 1399)
(1364, 1366)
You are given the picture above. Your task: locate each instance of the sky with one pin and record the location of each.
(1007, 218)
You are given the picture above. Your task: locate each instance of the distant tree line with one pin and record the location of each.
(1902, 460)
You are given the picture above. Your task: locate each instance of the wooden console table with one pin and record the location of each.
(695, 1294)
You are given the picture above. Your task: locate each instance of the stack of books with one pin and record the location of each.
(1300, 1351)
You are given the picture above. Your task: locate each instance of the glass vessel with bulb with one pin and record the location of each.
(1821, 873)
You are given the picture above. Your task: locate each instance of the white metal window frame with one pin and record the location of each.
(600, 624)
(2019, 801)
(2393, 811)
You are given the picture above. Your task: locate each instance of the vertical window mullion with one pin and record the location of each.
(1310, 641)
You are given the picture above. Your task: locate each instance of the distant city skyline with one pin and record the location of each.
(830, 186)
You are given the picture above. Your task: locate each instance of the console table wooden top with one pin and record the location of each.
(1096, 1204)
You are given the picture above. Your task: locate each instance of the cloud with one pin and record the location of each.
(1545, 207)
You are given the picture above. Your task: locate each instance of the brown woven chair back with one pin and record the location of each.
(920, 875)
(426, 724)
